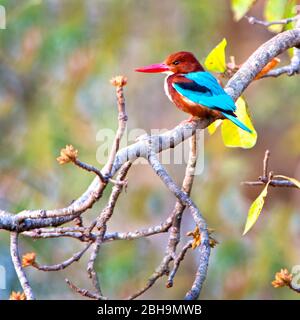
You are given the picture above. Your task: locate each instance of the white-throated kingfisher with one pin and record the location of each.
(193, 90)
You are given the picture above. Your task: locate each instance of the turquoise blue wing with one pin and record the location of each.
(204, 89)
(236, 121)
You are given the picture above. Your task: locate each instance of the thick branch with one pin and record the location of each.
(266, 52)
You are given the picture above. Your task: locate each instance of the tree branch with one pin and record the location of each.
(204, 247)
(253, 20)
(270, 178)
(64, 264)
(14, 252)
(174, 221)
(255, 63)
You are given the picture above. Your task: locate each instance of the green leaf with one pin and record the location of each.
(255, 209)
(216, 60)
(213, 127)
(275, 10)
(241, 7)
(290, 12)
(293, 180)
(232, 135)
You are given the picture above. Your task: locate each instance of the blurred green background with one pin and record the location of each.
(57, 58)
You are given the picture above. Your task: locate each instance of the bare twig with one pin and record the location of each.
(106, 214)
(119, 82)
(140, 233)
(177, 262)
(101, 224)
(109, 236)
(90, 168)
(273, 183)
(269, 177)
(84, 292)
(253, 20)
(294, 66)
(14, 252)
(64, 264)
(91, 264)
(45, 235)
(266, 164)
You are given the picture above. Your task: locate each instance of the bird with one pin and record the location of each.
(194, 90)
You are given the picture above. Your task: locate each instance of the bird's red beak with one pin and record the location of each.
(154, 68)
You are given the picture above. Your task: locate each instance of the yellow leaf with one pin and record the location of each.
(255, 209)
(275, 10)
(215, 61)
(241, 7)
(213, 127)
(232, 135)
(293, 180)
(290, 12)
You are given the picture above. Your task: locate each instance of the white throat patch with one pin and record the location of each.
(169, 73)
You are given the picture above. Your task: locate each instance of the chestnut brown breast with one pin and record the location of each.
(186, 105)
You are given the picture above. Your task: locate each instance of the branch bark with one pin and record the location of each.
(15, 256)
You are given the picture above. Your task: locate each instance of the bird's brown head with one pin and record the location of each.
(179, 62)
(183, 62)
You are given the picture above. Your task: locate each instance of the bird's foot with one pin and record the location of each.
(189, 120)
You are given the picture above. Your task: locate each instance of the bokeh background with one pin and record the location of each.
(57, 58)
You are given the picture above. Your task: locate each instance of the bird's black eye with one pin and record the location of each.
(176, 62)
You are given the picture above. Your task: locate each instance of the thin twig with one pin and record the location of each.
(266, 164)
(294, 67)
(269, 177)
(14, 252)
(272, 182)
(91, 263)
(122, 120)
(90, 168)
(84, 292)
(253, 20)
(64, 264)
(45, 235)
(106, 214)
(177, 262)
(93, 169)
(101, 221)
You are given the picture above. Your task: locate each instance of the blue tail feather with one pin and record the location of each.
(236, 121)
